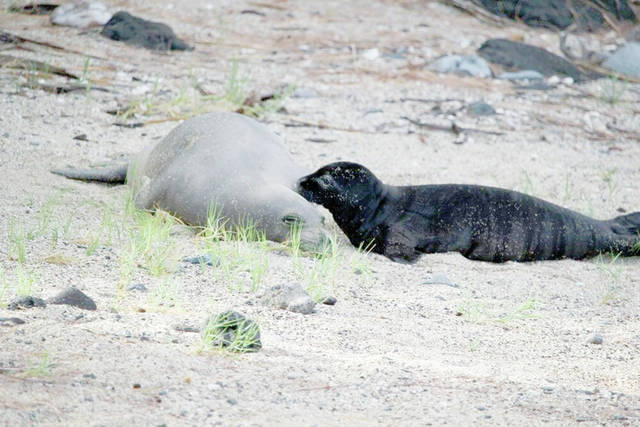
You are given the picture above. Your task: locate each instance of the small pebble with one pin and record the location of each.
(329, 301)
(481, 108)
(11, 321)
(462, 64)
(440, 279)
(25, 302)
(303, 92)
(595, 339)
(206, 259)
(371, 54)
(290, 296)
(521, 75)
(461, 139)
(183, 327)
(137, 287)
(553, 80)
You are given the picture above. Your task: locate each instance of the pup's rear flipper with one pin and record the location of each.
(626, 224)
(627, 230)
(115, 174)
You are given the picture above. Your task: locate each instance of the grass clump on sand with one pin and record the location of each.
(110, 228)
(524, 311)
(17, 238)
(609, 266)
(321, 278)
(4, 286)
(360, 264)
(238, 252)
(149, 243)
(25, 281)
(476, 312)
(613, 89)
(42, 366)
(193, 100)
(240, 256)
(166, 294)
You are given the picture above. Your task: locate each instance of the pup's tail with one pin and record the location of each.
(115, 174)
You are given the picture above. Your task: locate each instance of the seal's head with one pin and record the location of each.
(341, 185)
(278, 212)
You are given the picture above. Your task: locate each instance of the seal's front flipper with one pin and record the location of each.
(115, 174)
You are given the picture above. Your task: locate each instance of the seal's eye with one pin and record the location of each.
(292, 219)
(325, 182)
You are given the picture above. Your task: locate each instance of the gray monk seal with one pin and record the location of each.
(225, 159)
(482, 223)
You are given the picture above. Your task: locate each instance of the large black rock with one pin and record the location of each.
(520, 56)
(139, 32)
(73, 297)
(560, 13)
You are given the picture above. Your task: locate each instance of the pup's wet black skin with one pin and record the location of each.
(482, 223)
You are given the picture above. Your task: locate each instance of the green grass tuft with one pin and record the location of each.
(41, 367)
(192, 100)
(613, 89)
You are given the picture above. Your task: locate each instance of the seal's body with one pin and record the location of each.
(222, 160)
(482, 223)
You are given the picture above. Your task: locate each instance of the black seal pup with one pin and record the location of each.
(482, 223)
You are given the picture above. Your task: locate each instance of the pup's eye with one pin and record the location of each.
(292, 219)
(324, 181)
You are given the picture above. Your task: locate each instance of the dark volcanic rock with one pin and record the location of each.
(26, 302)
(206, 259)
(330, 300)
(11, 321)
(139, 32)
(232, 330)
(75, 298)
(137, 287)
(481, 108)
(34, 8)
(560, 13)
(521, 56)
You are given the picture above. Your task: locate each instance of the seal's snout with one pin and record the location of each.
(305, 187)
(317, 241)
(300, 183)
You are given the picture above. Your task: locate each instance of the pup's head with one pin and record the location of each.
(340, 185)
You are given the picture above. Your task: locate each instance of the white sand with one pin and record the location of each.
(392, 350)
